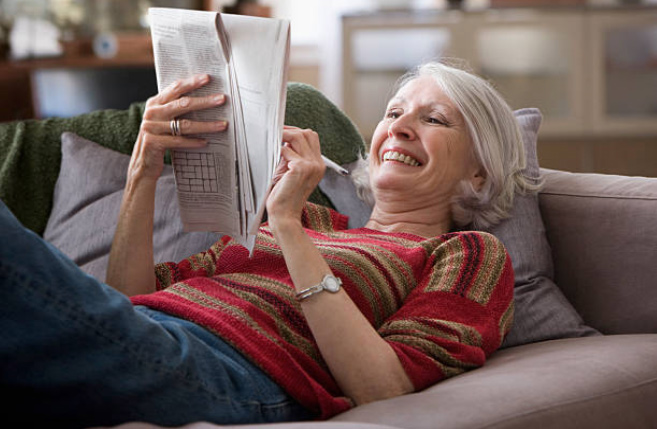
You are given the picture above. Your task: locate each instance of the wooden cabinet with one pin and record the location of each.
(16, 90)
(591, 71)
(74, 84)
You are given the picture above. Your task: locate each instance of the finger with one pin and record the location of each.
(305, 142)
(295, 160)
(182, 86)
(187, 127)
(188, 104)
(163, 142)
(289, 155)
(297, 138)
(308, 170)
(281, 169)
(183, 105)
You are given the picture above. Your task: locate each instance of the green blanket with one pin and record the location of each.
(30, 151)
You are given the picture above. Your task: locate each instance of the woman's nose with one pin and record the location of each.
(401, 128)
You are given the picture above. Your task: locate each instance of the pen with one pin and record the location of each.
(335, 167)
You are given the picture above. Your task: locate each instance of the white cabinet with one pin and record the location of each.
(591, 71)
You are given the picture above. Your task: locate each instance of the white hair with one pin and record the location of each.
(497, 146)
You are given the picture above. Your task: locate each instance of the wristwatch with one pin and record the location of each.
(329, 283)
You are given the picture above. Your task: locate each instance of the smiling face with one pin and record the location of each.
(421, 149)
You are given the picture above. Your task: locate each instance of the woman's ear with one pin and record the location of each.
(478, 179)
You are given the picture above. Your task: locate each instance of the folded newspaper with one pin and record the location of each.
(223, 186)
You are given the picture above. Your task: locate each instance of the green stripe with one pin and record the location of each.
(288, 299)
(490, 271)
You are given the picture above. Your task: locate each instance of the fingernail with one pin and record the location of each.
(219, 98)
(202, 78)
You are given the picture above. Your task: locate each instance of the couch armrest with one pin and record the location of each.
(603, 234)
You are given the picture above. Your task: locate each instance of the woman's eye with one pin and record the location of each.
(436, 121)
(393, 114)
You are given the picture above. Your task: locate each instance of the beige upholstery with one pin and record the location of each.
(601, 382)
(603, 233)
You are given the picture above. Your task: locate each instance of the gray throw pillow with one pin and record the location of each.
(86, 204)
(542, 312)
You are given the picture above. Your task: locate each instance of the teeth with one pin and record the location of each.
(396, 156)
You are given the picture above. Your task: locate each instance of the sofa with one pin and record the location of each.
(582, 352)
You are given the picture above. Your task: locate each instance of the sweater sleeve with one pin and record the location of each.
(218, 260)
(202, 264)
(458, 314)
(322, 219)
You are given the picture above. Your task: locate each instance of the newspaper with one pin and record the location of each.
(223, 186)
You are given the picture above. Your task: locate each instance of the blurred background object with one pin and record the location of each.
(67, 57)
(589, 65)
(248, 7)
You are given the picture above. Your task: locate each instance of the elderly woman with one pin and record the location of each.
(320, 318)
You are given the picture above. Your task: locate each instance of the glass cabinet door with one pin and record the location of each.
(534, 59)
(379, 49)
(625, 72)
(591, 71)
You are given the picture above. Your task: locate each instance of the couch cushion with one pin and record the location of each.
(604, 238)
(342, 193)
(603, 382)
(597, 382)
(86, 206)
(542, 312)
(30, 156)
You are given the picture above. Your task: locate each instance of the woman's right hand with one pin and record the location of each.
(155, 134)
(131, 263)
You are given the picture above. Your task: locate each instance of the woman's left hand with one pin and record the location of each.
(298, 173)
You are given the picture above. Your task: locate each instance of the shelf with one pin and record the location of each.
(134, 50)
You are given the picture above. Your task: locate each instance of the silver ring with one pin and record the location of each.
(175, 127)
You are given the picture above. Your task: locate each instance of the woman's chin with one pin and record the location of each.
(396, 171)
(394, 183)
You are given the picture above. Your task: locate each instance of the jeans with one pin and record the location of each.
(76, 352)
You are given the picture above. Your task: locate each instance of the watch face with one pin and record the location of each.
(331, 284)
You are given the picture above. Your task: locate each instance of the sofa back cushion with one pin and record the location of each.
(603, 235)
(86, 206)
(30, 156)
(542, 310)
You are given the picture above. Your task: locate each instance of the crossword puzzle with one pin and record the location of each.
(196, 172)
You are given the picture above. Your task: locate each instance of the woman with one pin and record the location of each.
(320, 318)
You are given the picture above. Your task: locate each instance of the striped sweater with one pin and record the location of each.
(443, 304)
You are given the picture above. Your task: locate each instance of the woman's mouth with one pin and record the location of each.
(392, 155)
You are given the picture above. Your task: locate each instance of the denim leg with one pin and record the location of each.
(75, 352)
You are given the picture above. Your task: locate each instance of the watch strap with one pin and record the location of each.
(320, 287)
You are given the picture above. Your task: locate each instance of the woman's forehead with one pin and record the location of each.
(423, 91)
